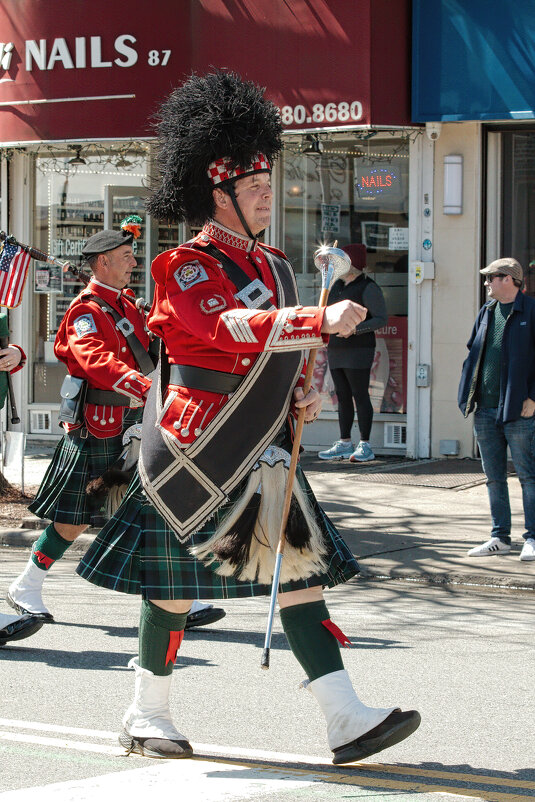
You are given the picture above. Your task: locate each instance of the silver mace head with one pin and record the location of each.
(332, 263)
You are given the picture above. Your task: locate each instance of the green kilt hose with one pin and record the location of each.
(76, 461)
(136, 552)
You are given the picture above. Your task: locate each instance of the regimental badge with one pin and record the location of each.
(189, 274)
(84, 324)
(214, 304)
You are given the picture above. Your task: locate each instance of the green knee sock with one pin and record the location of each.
(49, 548)
(160, 636)
(315, 648)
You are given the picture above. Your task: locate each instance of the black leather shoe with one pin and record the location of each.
(395, 728)
(22, 610)
(20, 629)
(209, 615)
(155, 747)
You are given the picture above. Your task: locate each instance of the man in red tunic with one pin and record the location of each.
(216, 429)
(91, 342)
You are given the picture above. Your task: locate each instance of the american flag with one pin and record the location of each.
(14, 263)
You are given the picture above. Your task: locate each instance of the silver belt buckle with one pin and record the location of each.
(125, 327)
(254, 294)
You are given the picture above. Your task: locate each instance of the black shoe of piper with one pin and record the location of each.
(203, 617)
(23, 611)
(20, 629)
(155, 747)
(395, 728)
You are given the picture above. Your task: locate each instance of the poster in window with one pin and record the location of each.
(47, 278)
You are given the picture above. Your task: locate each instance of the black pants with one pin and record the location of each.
(353, 384)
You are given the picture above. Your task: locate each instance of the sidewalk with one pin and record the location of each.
(412, 520)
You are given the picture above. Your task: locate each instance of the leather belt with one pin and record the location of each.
(208, 381)
(106, 398)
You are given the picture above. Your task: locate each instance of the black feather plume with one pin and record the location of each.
(208, 117)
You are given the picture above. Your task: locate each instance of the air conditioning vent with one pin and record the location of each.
(40, 421)
(395, 435)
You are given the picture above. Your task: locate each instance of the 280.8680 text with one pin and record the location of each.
(342, 112)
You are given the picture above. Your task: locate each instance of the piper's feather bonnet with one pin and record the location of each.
(209, 118)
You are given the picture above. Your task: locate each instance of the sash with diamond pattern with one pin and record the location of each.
(187, 485)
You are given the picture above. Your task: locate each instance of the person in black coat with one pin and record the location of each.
(351, 358)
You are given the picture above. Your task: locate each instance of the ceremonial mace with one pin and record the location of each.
(332, 262)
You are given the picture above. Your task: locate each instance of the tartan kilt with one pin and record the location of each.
(136, 552)
(76, 461)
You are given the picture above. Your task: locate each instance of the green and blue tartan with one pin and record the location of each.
(76, 461)
(136, 552)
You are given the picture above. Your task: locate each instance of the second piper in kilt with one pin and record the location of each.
(104, 395)
(203, 516)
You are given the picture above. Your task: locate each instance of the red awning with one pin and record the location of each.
(66, 73)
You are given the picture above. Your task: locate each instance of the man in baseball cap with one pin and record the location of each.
(498, 380)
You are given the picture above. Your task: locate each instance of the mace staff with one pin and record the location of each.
(331, 262)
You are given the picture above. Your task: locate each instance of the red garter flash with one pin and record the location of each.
(337, 632)
(175, 639)
(42, 558)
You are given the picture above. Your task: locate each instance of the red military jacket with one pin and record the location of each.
(92, 347)
(196, 314)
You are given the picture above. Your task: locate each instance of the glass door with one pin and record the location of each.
(518, 201)
(120, 202)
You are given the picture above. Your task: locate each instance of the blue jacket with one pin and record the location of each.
(517, 373)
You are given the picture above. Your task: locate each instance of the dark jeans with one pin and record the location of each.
(493, 439)
(353, 384)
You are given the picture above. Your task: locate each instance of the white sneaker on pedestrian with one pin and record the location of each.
(362, 453)
(341, 449)
(492, 548)
(528, 549)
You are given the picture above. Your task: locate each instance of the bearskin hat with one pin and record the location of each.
(210, 117)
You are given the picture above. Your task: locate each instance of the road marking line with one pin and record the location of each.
(450, 775)
(379, 782)
(40, 727)
(79, 746)
(231, 755)
(195, 781)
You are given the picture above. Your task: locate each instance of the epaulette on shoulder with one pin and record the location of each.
(80, 298)
(276, 251)
(130, 294)
(168, 262)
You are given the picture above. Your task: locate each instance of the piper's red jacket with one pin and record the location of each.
(92, 347)
(197, 316)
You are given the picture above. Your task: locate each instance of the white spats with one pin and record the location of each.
(148, 719)
(24, 594)
(346, 716)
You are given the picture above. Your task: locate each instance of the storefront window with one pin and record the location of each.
(73, 201)
(354, 191)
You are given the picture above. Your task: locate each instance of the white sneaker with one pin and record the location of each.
(528, 549)
(341, 449)
(492, 548)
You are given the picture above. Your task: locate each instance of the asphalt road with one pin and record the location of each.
(463, 657)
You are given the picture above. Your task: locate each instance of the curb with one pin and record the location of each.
(24, 538)
(443, 578)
